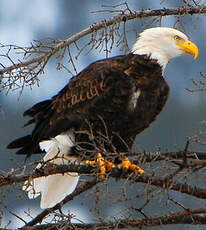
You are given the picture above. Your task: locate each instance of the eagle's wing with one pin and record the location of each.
(98, 87)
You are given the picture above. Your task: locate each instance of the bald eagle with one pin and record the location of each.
(116, 97)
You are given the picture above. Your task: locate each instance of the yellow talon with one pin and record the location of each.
(107, 165)
(90, 162)
(102, 163)
(110, 165)
(126, 164)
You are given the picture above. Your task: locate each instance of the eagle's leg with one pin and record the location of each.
(126, 164)
(102, 163)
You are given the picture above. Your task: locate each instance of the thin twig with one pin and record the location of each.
(194, 217)
(100, 25)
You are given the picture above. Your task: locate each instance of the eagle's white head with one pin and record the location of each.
(163, 44)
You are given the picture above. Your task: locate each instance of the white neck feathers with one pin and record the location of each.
(158, 43)
(153, 53)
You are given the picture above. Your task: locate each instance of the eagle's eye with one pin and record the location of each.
(177, 38)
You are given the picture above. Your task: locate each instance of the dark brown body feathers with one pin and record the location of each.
(101, 99)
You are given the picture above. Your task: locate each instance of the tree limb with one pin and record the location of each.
(123, 17)
(11, 178)
(194, 217)
(164, 183)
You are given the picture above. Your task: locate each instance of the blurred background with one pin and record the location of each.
(23, 21)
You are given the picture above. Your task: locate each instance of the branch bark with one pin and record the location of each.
(11, 178)
(180, 11)
(164, 183)
(194, 217)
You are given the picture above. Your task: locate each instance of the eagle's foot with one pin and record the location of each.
(103, 164)
(128, 166)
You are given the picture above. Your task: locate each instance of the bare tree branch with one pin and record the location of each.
(11, 178)
(163, 182)
(29, 70)
(194, 217)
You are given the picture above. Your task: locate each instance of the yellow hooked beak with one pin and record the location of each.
(189, 47)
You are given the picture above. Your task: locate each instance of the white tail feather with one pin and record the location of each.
(56, 187)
